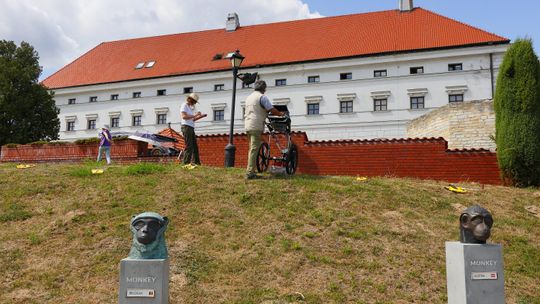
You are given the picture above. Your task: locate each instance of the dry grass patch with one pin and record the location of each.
(276, 240)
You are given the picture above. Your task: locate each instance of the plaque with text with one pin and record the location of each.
(144, 281)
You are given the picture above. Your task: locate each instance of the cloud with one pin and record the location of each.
(61, 31)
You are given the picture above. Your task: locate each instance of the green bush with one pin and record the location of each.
(39, 143)
(517, 109)
(11, 145)
(91, 140)
(119, 138)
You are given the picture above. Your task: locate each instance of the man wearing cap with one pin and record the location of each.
(105, 141)
(189, 116)
(257, 107)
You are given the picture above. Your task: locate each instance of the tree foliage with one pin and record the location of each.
(27, 109)
(517, 109)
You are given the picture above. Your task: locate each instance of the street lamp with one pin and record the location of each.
(236, 60)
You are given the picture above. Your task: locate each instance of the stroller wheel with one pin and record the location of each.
(263, 157)
(292, 160)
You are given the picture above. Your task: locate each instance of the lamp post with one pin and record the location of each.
(236, 60)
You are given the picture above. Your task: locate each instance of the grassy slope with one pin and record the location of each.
(333, 240)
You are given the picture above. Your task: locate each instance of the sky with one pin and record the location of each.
(63, 30)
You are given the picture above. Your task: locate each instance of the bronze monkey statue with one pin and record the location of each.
(475, 225)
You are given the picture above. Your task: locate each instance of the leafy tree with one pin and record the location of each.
(517, 109)
(27, 109)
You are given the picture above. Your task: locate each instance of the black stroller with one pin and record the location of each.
(288, 155)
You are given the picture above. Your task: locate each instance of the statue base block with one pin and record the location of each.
(144, 281)
(474, 273)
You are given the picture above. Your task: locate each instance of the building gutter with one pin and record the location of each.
(492, 75)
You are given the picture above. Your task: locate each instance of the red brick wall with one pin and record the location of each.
(51, 152)
(426, 158)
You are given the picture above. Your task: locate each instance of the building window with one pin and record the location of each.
(161, 119)
(115, 122)
(312, 109)
(346, 106)
(93, 98)
(188, 90)
(380, 73)
(219, 115)
(313, 79)
(136, 94)
(380, 104)
(417, 70)
(345, 76)
(70, 126)
(114, 97)
(219, 87)
(136, 121)
(71, 101)
(455, 98)
(455, 67)
(161, 92)
(417, 102)
(281, 82)
(91, 124)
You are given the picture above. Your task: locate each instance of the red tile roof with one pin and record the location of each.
(270, 44)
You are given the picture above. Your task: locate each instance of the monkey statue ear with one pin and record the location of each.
(166, 220)
(464, 220)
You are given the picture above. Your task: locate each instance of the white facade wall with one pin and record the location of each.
(474, 81)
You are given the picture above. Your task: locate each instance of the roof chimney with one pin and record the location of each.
(232, 22)
(405, 5)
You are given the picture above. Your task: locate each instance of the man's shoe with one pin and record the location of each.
(252, 175)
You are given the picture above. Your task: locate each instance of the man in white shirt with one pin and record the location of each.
(189, 116)
(257, 107)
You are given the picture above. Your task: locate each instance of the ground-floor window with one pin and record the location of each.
(346, 106)
(136, 121)
(115, 122)
(417, 102)
(380, 104)
(455, 98)
(70, 126)
(312, 109)
(161, 119)
(219, 115)
(91, 125)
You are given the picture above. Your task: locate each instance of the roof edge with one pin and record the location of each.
(286, 63)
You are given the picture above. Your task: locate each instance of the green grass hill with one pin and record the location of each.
(275, 240)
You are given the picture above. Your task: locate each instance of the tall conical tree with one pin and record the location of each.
(517, 110)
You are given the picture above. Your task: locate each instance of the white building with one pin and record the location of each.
(355, 76)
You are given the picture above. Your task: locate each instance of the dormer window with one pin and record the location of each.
(417, 70)
(455, 67)
(150, 64)
(139, 65)
(345, 76)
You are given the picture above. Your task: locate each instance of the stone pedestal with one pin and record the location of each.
(144, 281)
(474, 273)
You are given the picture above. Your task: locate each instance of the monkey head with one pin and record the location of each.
(148, 230)
(475, 225)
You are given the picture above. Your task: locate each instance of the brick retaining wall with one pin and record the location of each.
(424, 158)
